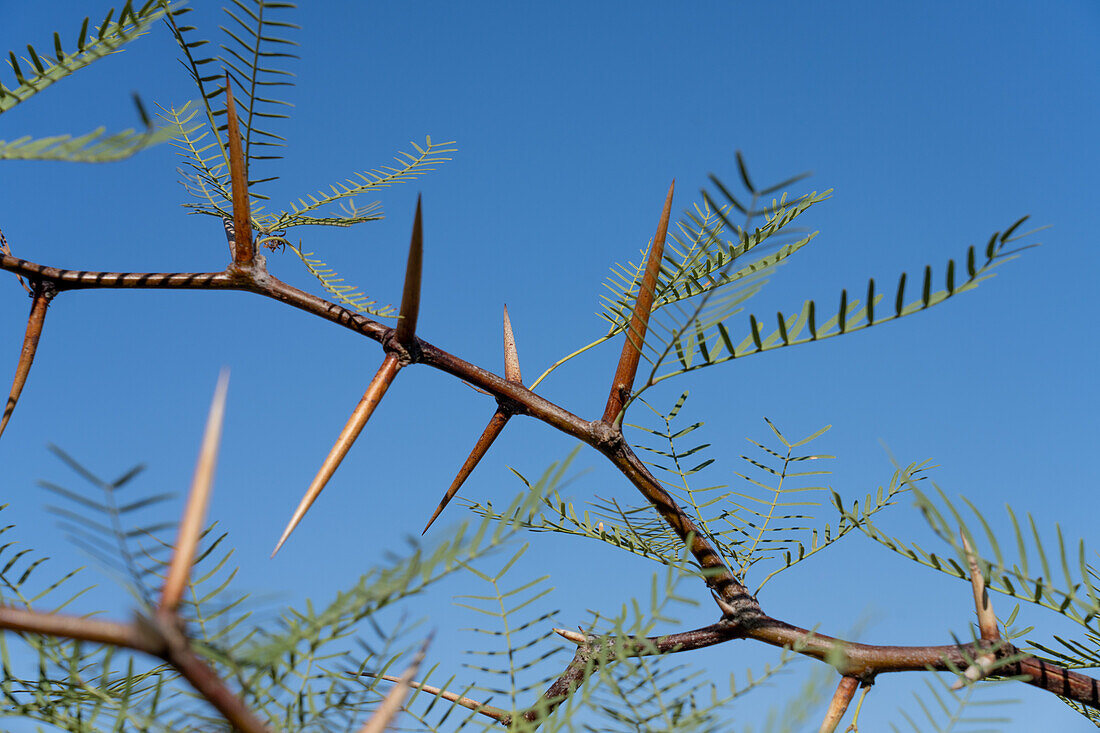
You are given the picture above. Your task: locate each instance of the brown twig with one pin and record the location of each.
(859, 659)
(496, 424)
(639, 320)
(395, 700)
(44, 291)
(497, 714)
(845, 691)
(198, 499)
(243, 250)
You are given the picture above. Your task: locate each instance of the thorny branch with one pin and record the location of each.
(743, 617)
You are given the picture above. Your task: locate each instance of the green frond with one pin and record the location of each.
(348, 295)
(93, 147)
(698, 345)
(1053, 575)
(207, 175)
(255, 45)
(108, 527)
(408, 167)
(40, 70)
(523, 633)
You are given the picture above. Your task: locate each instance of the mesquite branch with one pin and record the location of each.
(743, 618)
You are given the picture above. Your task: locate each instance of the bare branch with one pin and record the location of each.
(845, 691)
(393, 702)
(468, 703)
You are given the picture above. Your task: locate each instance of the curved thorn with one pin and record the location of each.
(845, 691)
(43, 294)
(492, 430)
(375, 391)
(511, 355)
(393, 702)
(198, 499)
(410, 296)
(238, 171)
(639, 320)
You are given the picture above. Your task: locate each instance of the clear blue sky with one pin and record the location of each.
(935, 123)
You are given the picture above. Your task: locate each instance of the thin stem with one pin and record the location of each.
(845, 691)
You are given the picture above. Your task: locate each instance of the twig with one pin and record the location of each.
(394, 701)
(468, 703)
(839, 704)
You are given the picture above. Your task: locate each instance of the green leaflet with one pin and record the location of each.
(348, 295)
(1055, 575)
(93, 147)
(38, 70)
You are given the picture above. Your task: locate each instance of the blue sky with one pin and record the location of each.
(935, 124)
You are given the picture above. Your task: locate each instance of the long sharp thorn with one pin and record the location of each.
(845, 691)
(511, 355)
(198, 499)
(410, 297)
(395, 699)
(987, 619)
(238, 170)
(375, 391)
(639, 320)
(492, 430)
(43, 294)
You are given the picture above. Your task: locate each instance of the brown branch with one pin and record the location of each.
(177, 652)
(395, 700)
(198, 499)
(639, 320)
(159, 637)
(859, 660)
(44, 291)
(27, 621)
(497, 714)
(845, 691)
(355, 424)
(243, 250)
